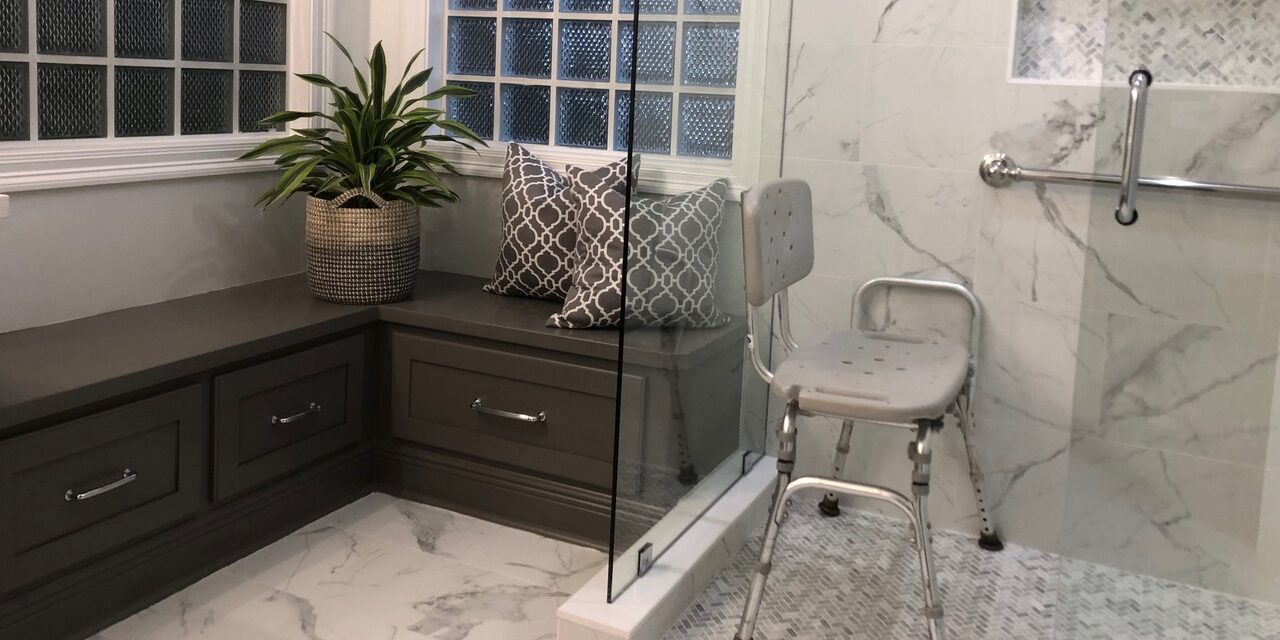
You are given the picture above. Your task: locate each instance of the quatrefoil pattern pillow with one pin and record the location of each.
(595, 298)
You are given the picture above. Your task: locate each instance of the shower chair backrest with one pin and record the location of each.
(777, 237)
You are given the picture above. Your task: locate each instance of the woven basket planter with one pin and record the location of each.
(361, 256)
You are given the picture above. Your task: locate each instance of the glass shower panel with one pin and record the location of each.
(1172, 512)
(691, 417)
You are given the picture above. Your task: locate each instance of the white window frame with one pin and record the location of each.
(48, 164)
(659, 173)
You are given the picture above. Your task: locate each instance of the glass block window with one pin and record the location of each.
(139, 68)
(559, 72)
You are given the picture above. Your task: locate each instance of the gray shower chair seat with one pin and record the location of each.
(856, 376)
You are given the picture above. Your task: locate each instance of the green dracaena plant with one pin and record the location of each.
(373, 138)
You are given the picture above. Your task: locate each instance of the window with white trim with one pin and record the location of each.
(91, 69)
(550, 72)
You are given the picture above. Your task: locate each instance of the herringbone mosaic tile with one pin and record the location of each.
(855, 578)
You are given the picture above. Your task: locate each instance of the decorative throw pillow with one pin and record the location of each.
(672, 258)
(538, 234)
(595, 298)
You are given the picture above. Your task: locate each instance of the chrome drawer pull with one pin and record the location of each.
(311, 408)
(478, 406)
(125, 478)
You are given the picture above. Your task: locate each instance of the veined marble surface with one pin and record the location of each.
(377, 569)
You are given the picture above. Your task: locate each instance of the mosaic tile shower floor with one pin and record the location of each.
(855, 579)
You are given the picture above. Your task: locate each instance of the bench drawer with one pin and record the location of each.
(540, 414)
(278, 416)
(75, 490)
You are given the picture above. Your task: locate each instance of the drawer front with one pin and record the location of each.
(273, 418)
(83, 487)
(568, 408)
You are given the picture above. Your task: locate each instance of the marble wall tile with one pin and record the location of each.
(826, 101)
(1027, 368)
(1032, 243)
(830, 21)
(1162, 513)
(939, 22)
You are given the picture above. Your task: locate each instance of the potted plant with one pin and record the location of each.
(365, 172)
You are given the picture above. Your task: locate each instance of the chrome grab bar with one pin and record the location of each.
(126, 477)
(478, 406)
(1139, 82)
(311, 408)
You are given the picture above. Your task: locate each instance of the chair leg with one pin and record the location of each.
(988, 539)
(830, 504)
(786, 465)
(921, 456)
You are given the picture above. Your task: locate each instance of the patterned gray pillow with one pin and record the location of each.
(595, 298)
(672, 257)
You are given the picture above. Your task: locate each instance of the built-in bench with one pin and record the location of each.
(145, 448)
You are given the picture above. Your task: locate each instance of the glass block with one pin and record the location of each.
(13, 26)
(261, 94)
(206, 101)
(530, 5)
(649, 6)
(584, 49)
(587, 6)
(206, 30)
(706, 125)
(526, 47)
(13, 101)
(526, 113)
(72, 27)
(713, 7)
(144, 101)
(263, 31)
(582, 118)
(474, 5)
(73, 101)
(710, 54)
(656, 51)
(475, 112)
(144, 29)
(473, 45)
(653, 121)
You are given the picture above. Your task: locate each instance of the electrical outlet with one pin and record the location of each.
(4, 206)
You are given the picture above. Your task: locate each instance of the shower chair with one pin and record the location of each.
(854, 375)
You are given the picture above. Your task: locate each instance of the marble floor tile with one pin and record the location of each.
(379, 568)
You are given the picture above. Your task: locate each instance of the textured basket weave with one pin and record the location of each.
(361, 256)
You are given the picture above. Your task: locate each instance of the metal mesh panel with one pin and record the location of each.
(206, 30)
(73, 101)
(653, 121)
(526, 47)
(144, 101)
(649, 6)
(582, 118)
(706, 125)
(206, 101)
(263, 31)
(261, 95)
(584, 49)
(474, 5)
(144, 28)
(526, 113)
(710, 54)
(656, 52)
(13, 101)
(713, 7)
(587, 6)
(13, 26)
(475, 112)
(72, 27)
(472, 45)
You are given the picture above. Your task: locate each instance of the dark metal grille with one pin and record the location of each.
(13, 26)
(72, 27)
(73, 101)
(13, 101)
(261, 94)
(206, 101)
(144, 28)
(144, 101)
(206, 30)
(263, 28)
